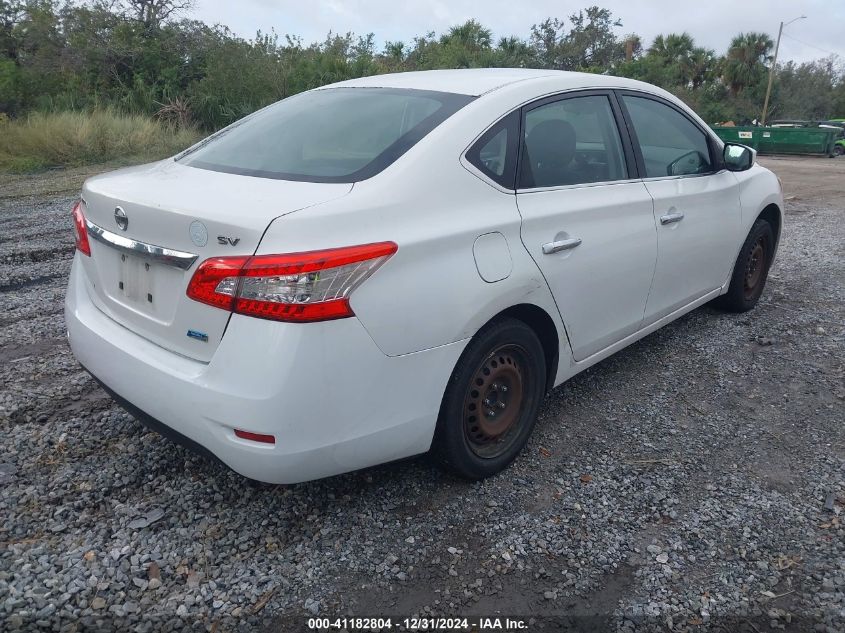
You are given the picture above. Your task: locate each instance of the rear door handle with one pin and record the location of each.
(670, 218)
(561, 245)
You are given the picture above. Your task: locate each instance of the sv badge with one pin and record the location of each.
(231, 241)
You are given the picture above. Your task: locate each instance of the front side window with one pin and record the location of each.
(570, 142)
(671, 144)
(330, 135)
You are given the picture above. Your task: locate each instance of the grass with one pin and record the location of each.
(73, 139)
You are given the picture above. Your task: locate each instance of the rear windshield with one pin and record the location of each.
(330, 135)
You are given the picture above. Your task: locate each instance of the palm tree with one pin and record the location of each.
(513, 51)
(675, 53)
(632, 46)
(745, 63)
(673, 47)
(702, 63)
(471, 35)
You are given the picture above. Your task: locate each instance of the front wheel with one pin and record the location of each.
(838, 150)
(751, 269)
(491, 401)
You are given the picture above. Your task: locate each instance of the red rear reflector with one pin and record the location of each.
(299, 287)
(81, 230)
(255, 437)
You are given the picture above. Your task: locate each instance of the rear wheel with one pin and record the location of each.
(491, 402)
(751, 269)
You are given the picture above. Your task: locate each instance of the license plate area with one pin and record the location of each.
(136, 280)
(139, 287)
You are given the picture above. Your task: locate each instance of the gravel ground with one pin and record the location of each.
(694, 481)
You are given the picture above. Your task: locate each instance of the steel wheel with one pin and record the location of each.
(751, 269)
(493, 402)
(755, 267)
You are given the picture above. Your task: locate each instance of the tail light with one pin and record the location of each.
(298, 287)
(81, 230)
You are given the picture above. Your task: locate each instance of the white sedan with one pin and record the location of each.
(407, 263)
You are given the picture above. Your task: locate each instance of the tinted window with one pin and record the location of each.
(494, 154)
(671, 144)
(332, 135)
(571, 141)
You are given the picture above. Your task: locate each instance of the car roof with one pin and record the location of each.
(477, 81)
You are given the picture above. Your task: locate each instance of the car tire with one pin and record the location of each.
(838, 150)
(751, 269)
(491, 400)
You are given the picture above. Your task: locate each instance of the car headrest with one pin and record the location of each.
(551, 143)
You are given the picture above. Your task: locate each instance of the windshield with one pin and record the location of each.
(330, 135)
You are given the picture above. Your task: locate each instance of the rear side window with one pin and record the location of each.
(569, 142)
(671, 144)
(330, 135)
(494, 154)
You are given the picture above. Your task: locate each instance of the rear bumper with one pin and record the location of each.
(331, 398)
(154, 425)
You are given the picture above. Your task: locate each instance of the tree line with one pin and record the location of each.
(148, 56)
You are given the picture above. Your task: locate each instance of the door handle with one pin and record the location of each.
(561, 245)
(670, 218)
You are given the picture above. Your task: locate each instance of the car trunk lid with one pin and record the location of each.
(151, 226)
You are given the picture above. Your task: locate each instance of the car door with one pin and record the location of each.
(696, 203)
(587, 220)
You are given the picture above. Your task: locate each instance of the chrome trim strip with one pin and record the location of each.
(159, 254)
(607, 183)
(679, 176)
(584, 185)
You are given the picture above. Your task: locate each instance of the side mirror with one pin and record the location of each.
(738, 157)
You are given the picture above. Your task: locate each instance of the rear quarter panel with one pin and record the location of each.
(430, 292)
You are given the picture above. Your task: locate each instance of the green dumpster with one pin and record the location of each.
(782, 140)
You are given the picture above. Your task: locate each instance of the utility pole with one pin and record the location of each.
(772, 69)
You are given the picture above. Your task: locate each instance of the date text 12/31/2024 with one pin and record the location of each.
(418, 624)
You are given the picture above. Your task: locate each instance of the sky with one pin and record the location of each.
(712, 23)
